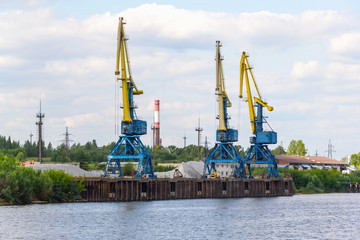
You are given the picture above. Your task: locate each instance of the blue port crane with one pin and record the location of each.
(224, 150)
(259, 152)
(129, 146)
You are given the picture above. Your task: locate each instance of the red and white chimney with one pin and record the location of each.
(157, 140)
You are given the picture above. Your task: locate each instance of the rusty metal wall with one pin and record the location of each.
(126, 189)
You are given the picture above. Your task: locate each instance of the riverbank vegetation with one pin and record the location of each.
(58, 186)
(315, 180)
(22, 185)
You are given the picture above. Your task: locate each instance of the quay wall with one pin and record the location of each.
(135, 189)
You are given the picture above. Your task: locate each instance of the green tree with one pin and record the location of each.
(17, 186)
(128, 169)
(65, 187)
(279, 150)
(355, 160)
(296, 147)
(81, 158)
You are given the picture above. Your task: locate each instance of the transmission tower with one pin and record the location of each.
(40, 116)
(330, 149)
(199, 130)
(67, 141)
(206, 147)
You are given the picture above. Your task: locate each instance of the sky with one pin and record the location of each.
(305, 58)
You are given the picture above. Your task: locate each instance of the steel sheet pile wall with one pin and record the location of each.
(126, 189)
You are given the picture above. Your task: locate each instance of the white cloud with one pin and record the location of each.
(172, 53)
(303, 70)
(89, 119)
(346, 46)
(84, 66)
(10, 61)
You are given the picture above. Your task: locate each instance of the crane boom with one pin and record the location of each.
(122, 59)
(220, 90)
(244, 68)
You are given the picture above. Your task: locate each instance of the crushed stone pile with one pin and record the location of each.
(70, 169)
(192, 169)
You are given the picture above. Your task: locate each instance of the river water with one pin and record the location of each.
(317, 216)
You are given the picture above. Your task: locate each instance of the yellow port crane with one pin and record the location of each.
(224, 150)
(259, 152)
(129, 146)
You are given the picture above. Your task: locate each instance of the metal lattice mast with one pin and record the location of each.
(67, 141)
(330, 149)
(40, 116)
(199, 130)
(206, 147)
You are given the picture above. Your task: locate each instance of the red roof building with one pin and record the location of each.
(309, 162)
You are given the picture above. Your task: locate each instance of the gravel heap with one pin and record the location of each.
(70, 169)
(192, 169)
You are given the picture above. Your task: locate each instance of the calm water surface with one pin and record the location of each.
(324, 216)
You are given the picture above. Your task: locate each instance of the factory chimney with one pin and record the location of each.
(157, 140)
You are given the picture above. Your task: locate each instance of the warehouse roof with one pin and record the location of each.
(295, 159)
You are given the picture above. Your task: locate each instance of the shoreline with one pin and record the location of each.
(85, 201)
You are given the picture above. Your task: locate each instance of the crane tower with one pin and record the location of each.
(129, 147)
(259, 152)
(224, 150)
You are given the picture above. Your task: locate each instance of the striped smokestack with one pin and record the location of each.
(157, 141)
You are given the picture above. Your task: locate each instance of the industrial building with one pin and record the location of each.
(309, 162)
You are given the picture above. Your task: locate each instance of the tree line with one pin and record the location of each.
(90, 155)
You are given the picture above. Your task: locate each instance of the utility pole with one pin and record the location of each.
(184, 140)
(40, 116)
(31, 135)
(199, 130)
(330, 149)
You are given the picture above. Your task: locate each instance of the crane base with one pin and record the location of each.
(130, 149)
(221, 153)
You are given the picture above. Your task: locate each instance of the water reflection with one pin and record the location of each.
(324, 216)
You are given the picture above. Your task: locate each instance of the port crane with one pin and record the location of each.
(224, 150)
(259, 152)
(129, 145)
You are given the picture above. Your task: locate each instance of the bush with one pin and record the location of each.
(317, 180)
(65, 187)
(163, 168)
(17, 186)
(128, 169)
